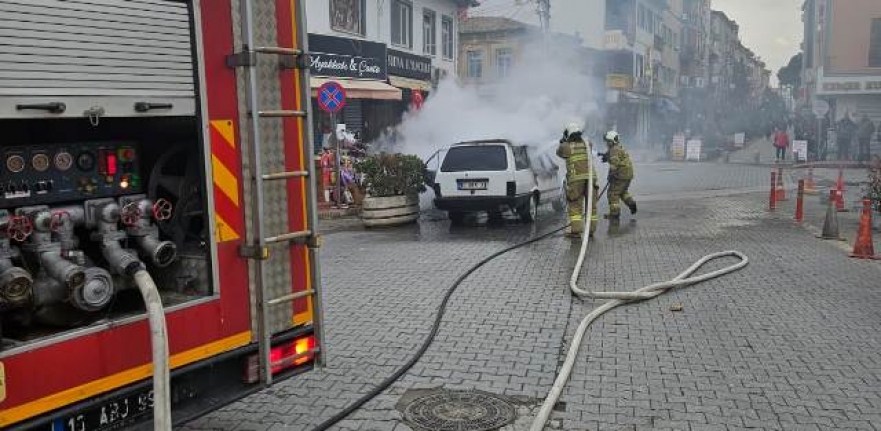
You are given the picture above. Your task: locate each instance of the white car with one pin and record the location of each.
(494, 176)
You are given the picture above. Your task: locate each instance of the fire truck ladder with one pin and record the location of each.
(258, 245)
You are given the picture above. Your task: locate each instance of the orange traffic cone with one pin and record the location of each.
(781, 192)
(864, 248)
(810, 187)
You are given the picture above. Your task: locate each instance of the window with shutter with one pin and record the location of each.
(875, 44)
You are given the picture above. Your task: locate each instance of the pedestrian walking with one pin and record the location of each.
(781, 143)
(579, 169)
(620, 176)
(864, 137)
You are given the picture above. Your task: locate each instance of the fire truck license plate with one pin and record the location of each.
(110, 416)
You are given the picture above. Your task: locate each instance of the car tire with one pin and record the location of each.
(528, 212)
(456, 217)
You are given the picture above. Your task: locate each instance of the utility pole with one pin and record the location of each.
(544, 16)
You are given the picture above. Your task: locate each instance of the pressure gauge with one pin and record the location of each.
(63, 161)
(40, 162)
(85, 161)
(15, 163)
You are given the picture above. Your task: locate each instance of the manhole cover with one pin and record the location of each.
(459, 411)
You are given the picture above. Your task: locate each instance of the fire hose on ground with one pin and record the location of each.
(685, 278)
(616, 299)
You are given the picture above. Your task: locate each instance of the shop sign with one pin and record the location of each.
(693, 150)
(409, 66)
(866, 85)
(339, 57)
(619, 81)
(677, 148)
(800, 150)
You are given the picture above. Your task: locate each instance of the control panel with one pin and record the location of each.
(44, 174)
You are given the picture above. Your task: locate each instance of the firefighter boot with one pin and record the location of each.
(614, 224)
(628, 200)
(576, 227)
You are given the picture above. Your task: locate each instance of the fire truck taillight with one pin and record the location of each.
(290, 354)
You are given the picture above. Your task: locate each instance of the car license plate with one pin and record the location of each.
(113, 415)
(472, 185)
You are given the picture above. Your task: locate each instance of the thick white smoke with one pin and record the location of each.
(543, 93)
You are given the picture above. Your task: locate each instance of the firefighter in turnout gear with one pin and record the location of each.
(620, 176)
(579, 169)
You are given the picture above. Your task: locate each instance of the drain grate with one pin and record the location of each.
(459, 411)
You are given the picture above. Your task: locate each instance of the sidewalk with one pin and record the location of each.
(816, 206)
(759, 151)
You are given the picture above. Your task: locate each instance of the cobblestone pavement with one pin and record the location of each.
(790, 342)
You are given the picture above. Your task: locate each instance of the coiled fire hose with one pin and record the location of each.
(618, 298)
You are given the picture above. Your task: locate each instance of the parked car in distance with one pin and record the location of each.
(494, 176)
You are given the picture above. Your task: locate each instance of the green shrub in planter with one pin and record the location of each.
(873, 189)
(393, 175)
(393, 183)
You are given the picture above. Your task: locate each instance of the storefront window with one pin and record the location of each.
(447, 37)
(429, 32)
(347, 16)
(402, 23)
(475, 64)
(503, 62)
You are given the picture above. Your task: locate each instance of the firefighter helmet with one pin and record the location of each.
(572, 130)
(611, 137)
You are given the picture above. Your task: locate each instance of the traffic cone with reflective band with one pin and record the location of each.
(864, 248)
(830, 225)
(772, 200)
(810, 187)
(781, 192)
(800, 202)
(839, 192)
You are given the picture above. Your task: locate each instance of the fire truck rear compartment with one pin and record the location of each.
(80, 205)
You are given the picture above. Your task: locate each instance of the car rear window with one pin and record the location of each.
(476, 158)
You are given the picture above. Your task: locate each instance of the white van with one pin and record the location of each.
(494, 176)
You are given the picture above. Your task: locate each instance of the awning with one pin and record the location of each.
(631, 97)
(408, 83)
(356, 89)
(664, 104)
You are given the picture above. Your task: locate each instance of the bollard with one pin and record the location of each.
(781, 192)
(800, 202)
(772, 200)
(839, 192)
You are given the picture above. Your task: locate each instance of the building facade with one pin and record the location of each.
(383, 52)
(642, 46)
(694, 63)
(842, 65)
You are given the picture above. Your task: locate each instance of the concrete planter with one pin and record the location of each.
(389, 210)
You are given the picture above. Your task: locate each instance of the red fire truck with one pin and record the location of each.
(164, 136)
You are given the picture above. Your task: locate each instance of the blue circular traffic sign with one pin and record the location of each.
(331, 97)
